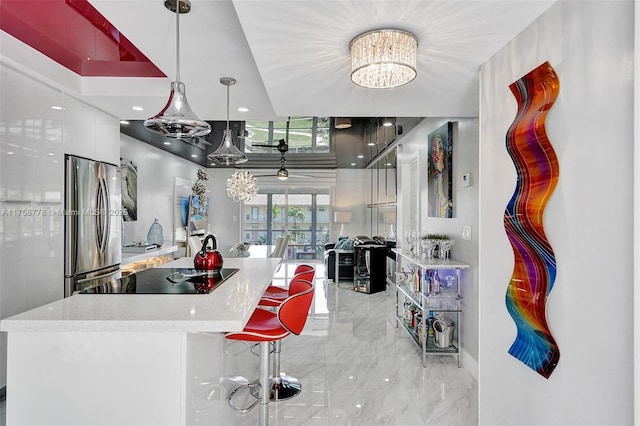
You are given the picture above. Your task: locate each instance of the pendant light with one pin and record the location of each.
(177, 119)
(227, 153)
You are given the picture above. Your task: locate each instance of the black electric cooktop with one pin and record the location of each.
(165, 281)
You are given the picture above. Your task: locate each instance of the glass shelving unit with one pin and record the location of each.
(428, 291)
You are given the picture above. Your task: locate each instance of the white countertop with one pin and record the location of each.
(227, 308)
(128, 257)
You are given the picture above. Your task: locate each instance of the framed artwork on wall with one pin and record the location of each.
(182, 199)
(129, 189)
(440, 179)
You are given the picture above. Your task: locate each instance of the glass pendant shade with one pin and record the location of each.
(383, 59)
(227, 153)
(177, 119)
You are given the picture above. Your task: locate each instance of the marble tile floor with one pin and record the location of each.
(357, 368)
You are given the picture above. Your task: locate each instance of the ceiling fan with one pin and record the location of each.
(283, 147)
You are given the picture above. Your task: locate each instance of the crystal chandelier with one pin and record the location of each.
(177, 119)
(227, 153)
(241, 186)
(382, 59)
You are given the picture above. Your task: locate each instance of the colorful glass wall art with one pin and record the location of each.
(537, 170)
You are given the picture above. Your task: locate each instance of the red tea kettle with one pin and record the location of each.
(208, 259)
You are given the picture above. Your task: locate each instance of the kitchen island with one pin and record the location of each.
(138, 359)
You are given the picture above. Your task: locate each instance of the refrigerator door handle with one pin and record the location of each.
(101, 223)
(71, 223)
(106, 215)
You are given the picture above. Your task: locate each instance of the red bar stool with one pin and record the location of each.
(274, 295)
(266, 326)
(283, 387)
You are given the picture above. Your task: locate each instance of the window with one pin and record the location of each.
(302, 213)
(306, 134)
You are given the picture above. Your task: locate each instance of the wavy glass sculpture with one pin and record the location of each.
(537, 169)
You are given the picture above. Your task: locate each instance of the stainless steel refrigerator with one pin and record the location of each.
(92, 224)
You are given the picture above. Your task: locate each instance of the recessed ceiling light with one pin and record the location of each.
(194, 155)
(342, 122)
(51, 153)
(56, 107)
(360, 156)
(388, 121)
(371, 144)
(167, 143)
(353, 164)
(137, 108)
(243, 109)
(124, 122)
(10, 152)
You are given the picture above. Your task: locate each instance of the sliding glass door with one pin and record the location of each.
(302, 213)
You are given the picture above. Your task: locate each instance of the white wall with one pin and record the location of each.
(588, 221)
(157, 171)
(33, 141)
(465, 201)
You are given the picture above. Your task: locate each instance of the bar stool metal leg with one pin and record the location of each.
(281, 387)
(264, 384)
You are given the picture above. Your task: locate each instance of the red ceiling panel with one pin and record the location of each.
(74, 34)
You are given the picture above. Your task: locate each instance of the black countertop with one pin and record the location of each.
(164, 281)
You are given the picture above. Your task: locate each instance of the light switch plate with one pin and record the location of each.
(466, 232)
(466, 179)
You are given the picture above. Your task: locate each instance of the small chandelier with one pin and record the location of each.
(241, 186)
(177, 119)
(382, 59)
(227, 153)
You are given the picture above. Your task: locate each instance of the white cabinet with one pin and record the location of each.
(107, 137)
(90, 133)
(79, 130)
(31, 196)
(428, 303)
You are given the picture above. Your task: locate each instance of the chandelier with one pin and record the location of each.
(177, 119)
(241, 186)
(227, 153)
(382, 59)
